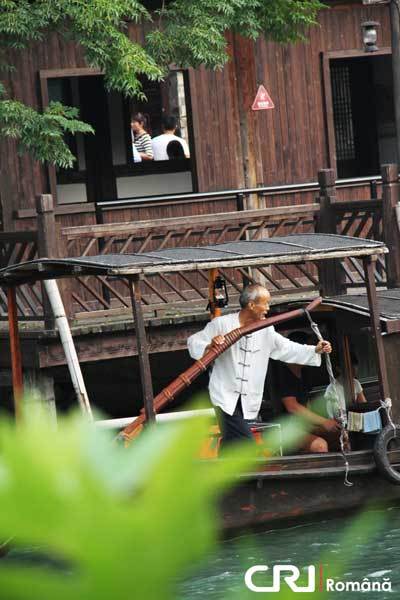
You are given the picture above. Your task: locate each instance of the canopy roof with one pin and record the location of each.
(288, 249)
(388, 303)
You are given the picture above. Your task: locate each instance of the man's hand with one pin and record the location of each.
(217, 341)
(331, 425)
(323, 347)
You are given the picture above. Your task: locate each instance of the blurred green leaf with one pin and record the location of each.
(127, 522)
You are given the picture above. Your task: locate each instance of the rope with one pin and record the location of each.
(340, 410)
(386, 404)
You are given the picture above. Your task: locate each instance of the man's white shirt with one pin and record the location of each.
(241, 370)
(161, 142)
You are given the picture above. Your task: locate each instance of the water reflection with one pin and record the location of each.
(317, 543)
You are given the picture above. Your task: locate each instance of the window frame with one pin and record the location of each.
(128, 169)
(44, 76)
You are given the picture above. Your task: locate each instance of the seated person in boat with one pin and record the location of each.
(293, 391)
(338, 394)
(238, 375)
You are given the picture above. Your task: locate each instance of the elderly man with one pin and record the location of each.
(237, 380)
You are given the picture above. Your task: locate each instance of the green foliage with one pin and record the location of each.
(42, 134)
(193, 33)
(183, 32)
(126, 522)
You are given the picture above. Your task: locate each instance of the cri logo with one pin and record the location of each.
(278, 571)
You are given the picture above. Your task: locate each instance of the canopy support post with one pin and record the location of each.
(15, 348)
(142, 348)
(369, 270)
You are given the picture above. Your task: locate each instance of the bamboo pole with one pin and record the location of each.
(71, 356)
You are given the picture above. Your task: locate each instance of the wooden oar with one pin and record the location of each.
(187, 377)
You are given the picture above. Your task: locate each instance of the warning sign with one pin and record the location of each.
(263, 100)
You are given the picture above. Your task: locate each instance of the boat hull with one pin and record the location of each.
(296, 489)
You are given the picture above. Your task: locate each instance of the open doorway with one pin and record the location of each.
(363, 114)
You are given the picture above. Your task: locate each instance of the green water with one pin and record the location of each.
(376, 555)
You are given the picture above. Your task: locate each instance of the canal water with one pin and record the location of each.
(348, 549)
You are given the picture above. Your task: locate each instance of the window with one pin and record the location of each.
(105, 169)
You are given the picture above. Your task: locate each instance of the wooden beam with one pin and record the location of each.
(47, 244)
(245, 262)
(143, 350)
(369, 270)
(348, 375)
(331, 276)
(15, 349)
(181, 223)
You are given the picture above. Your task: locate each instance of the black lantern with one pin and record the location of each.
(370, 35)
(221, 297)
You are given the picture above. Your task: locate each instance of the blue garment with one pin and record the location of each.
(372, 422)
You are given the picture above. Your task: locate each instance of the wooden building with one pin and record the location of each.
(333, 109)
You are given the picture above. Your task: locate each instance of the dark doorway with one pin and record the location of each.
(363, 113)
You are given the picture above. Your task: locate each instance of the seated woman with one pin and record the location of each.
(294, 396)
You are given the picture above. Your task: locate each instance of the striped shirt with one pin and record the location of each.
(143, 144)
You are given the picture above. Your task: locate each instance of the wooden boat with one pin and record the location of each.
(284, 488)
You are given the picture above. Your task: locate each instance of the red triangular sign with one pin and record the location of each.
(263, 100)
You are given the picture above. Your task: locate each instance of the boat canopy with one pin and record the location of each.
(388, 303)
(287, 249)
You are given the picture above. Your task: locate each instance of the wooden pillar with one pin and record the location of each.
(47, 244)
(39, 386)
(391, 233)
(142, 346)
(15, 349)
(331, 276)
(395, 43)
(348, 375)
(369, 270)
(246, 87)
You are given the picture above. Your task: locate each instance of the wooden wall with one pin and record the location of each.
(288, 143)
(291, 138)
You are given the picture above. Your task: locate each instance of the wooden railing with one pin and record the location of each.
(15, 248)
(88, 296)
(99, 293)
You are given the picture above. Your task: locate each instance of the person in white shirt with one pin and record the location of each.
(334, 394)
(160, 142)
(238, 375)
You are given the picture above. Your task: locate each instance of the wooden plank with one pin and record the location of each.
(60, 209)
(93, 292)
(247, 262)
(329, 123)
(72, 72)
(15, 348)
(177, 223)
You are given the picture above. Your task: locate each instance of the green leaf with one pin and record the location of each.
(125, 522)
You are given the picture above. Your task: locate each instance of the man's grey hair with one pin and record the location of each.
(250, 293)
